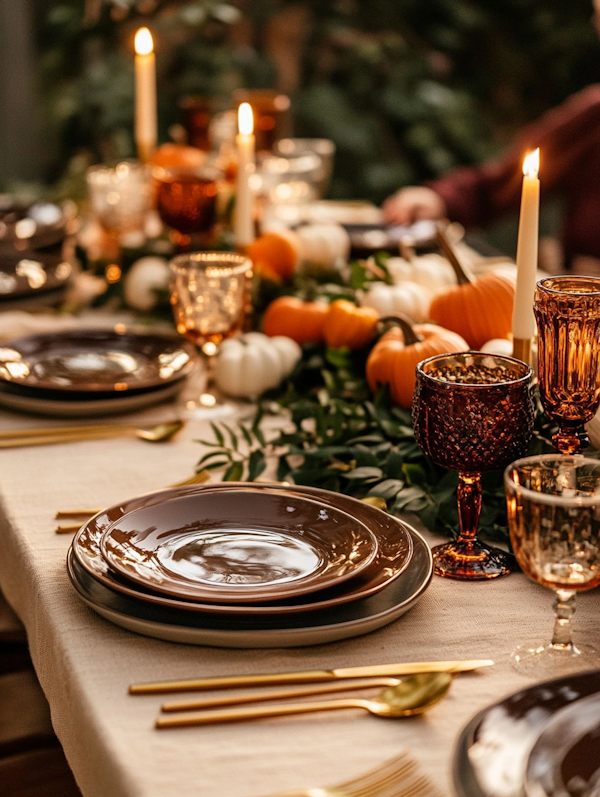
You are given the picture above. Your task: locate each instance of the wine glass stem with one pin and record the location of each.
(469, 505)
(564, 607)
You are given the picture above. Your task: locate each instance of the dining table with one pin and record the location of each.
(85, 664)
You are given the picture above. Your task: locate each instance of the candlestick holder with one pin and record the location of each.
(472, 412)
(567, 311)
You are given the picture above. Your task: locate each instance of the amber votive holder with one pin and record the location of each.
(472, 412)
(567, 311)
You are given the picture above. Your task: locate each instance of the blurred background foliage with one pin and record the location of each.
(407, 89)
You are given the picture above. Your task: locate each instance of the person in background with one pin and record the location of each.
(569, 140)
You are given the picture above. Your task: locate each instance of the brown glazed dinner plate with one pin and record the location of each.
(238, 546)
(393, 555)
(542, 741)
(99, 363)
(565, 760)
(30, 274)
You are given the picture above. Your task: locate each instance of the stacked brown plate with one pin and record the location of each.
(249, 565)
(36, 254)
(86, 372)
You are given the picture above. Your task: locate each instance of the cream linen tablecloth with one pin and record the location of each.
(85, 664)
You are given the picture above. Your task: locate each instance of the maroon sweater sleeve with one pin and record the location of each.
(565, 135)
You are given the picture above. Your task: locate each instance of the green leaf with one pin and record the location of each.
(387, 489)
(245, 433)
(232, 436)
(364, 473)
(218, 434)
(415, 474)
(216, 464)
(234, 472)
(211, 455)
(256, 465)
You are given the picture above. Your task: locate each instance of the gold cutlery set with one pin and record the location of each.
(398, 777)
(154, 433)
(84, 514)
(425, 684)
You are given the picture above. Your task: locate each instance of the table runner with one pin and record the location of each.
(85, 664)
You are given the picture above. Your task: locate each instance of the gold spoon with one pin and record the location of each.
(39, 437)
(412, 696)
(279, 694)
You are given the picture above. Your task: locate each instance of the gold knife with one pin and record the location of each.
(307, 676)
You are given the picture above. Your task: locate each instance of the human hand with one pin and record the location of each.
(413, 203)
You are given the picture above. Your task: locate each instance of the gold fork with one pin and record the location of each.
(398, 777)
(198, 478)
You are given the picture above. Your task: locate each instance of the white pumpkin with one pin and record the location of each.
(146, 276)
(406, 298)
(249, 364)
(498, 346)
(325, 246)
(593, 430)
(431, 271)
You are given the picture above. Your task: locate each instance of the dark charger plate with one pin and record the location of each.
(492, 757)
(93, 364)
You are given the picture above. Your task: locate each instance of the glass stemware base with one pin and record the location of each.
(470, 559)
(548, 661)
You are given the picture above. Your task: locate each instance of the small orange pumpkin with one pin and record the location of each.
(395, 356)
(349, 325)
(301, 321)
(274, 255)
(480, 309)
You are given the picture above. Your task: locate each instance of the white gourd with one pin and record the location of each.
(406, 298)
(326, 246)
(249, 364)
(593, 430)
(431, 271)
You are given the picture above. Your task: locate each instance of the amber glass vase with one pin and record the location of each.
(472, 412)
(567, 311)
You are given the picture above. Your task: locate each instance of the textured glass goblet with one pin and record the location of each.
(567, 311)
(186, 200)
(553, 505)
(472, 412)
(210, 296)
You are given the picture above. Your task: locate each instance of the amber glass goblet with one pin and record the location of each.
(472, 412)
(553, 505)
(567, 311)
(186, 200)
(210, 297)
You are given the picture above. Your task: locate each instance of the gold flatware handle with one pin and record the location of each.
(278, 694)
(53, 439)
(307, 676)
(70, 529)
(67, 514)
(251, 713)
(22, 434)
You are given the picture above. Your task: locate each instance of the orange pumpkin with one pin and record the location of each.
(479, 310)
(394, 358)
(301, 321)
(274, 255)
(349, 325)
(178, 156)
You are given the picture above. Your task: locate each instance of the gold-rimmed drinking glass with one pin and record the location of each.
(472, 412)
(567, 311)
(553, 505)
(210, 297)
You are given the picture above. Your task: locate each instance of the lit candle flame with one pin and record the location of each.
(245, 119)
(531, 164)
(143, 42)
